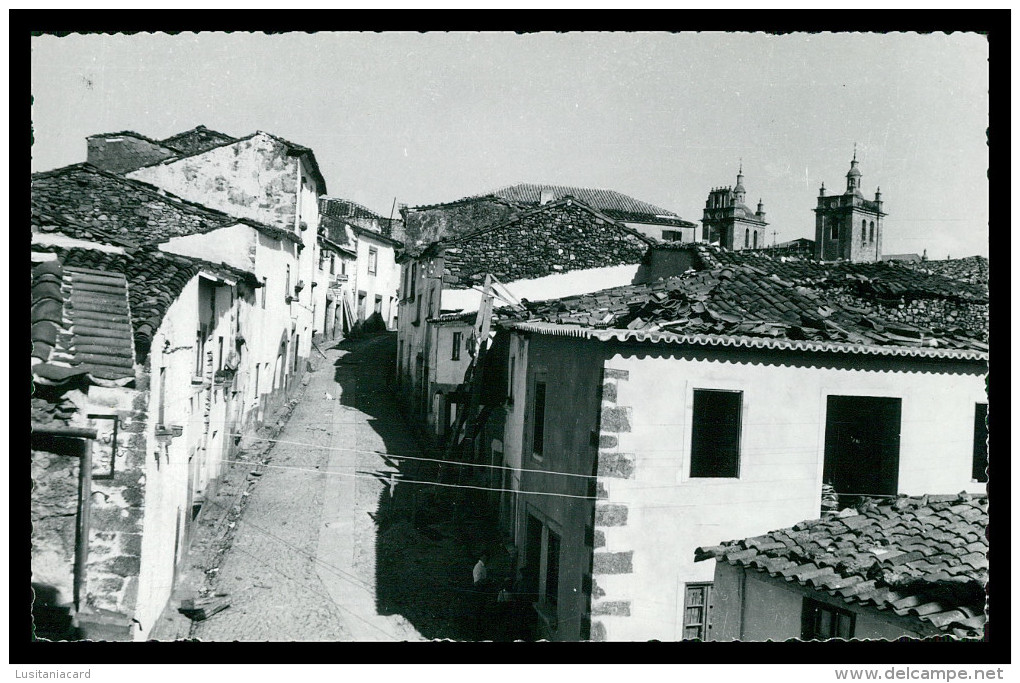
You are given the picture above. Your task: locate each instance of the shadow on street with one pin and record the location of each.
(428, 537)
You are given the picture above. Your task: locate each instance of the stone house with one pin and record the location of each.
(81, 205)
(376, 277)
(423, 225)
(132, 422)
(260, 177)
(334, 285)
(560, 248)
(786, 377)
(910, 567)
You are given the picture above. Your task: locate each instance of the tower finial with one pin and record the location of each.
(855, 151)
(741, 169)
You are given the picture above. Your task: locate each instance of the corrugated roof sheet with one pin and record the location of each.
(922, 557)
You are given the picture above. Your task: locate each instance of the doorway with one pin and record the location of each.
(862, 446)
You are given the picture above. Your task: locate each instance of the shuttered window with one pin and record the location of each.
(697, 598)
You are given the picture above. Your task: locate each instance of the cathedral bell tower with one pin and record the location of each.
(729, 222)
(848, 226)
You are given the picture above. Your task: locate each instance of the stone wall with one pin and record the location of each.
(421, 227)
(55, 480)
(124, 153)
(253, 178)
(609, 513)
(561, 238)
(117, 504)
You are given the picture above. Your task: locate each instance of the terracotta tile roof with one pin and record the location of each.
(922, 558)
(345, 208)
(86, 202)
(973, 269)
(46, 222)
(881, 280)
(80, 325)
(739, 302)
(198, 139)
(155, 280)
(614, 204)
(129, 133)
(48, 410)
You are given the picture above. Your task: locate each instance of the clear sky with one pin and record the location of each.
(427, 118)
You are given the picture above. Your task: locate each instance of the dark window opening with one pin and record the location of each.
(552, 568)
(456, 346)
(538, 420)
(747, 238)
(715, 437)
(862, 446)
(980, 443)
(821, 622)
(510, 380)
(834, 229)
(697, 598)
(872, 232)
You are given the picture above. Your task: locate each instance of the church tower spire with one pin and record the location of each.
(738, 191)
(853, 176)
(849, 226)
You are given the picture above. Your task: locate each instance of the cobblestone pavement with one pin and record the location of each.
(320, 552)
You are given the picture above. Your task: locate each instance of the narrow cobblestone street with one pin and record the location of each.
(324, 549)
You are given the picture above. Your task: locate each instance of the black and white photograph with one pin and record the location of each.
(585, 336)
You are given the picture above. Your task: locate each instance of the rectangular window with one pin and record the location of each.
(980, 443)
(820, 621)
(332, 264)
(297, 345)
(343, 266)
(834, 229)
(552, 568)
(162, 396)
(200, 351)
(264, 287)
(538, 420)
(219, 354)
(715, 438)
(378, 304)
(414, 280)
(456, 346)
(510, 381)
(373, 260)
(697, 597)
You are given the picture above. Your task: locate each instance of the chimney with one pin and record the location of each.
(546, 195)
